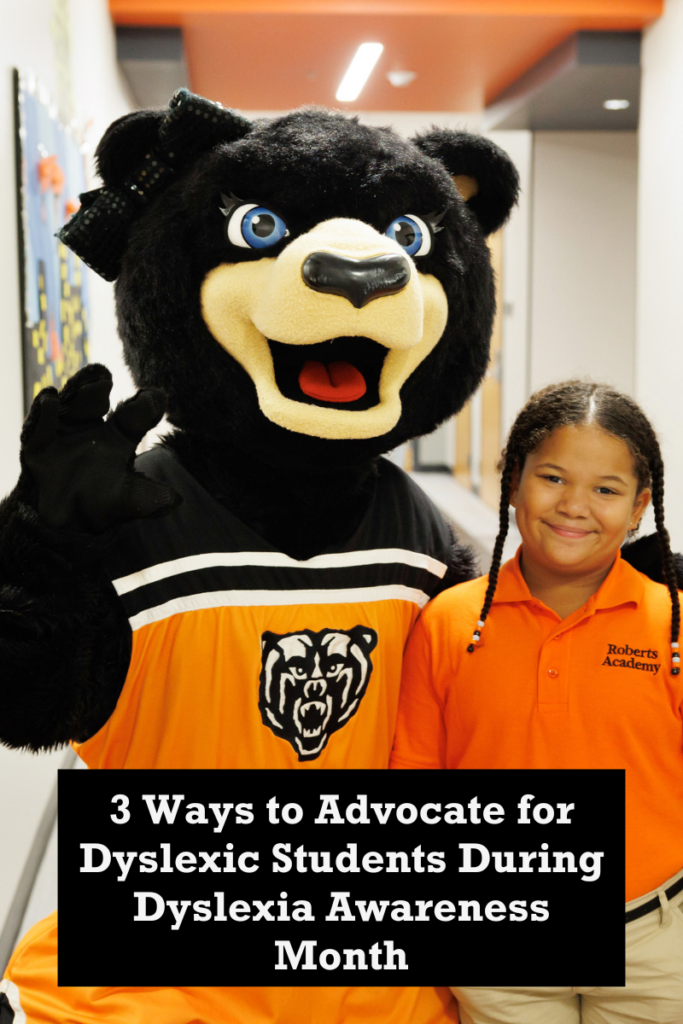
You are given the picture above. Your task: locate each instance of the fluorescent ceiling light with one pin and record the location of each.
(616, 104)
(364, 60)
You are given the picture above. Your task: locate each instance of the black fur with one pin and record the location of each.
(125, 144)
(64, 643)
(462, 565)
(645, 555)
(477, 157)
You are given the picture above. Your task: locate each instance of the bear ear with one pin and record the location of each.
(483, 174)
(125, 143)
(365, 637)
(174, 133)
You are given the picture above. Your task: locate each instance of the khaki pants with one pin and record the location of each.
(654, 981)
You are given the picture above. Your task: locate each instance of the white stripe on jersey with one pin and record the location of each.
(12, 993)
(276, 559)
(271, 598)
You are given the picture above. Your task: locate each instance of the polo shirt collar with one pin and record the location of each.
(622, 585)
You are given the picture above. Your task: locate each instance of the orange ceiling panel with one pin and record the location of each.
(278, 54)
(168, 12)
(265, 62)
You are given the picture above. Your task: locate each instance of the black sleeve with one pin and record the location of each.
(65, 641)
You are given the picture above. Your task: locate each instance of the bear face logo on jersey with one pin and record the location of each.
(313, 683)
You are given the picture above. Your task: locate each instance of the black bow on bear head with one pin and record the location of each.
(306, 287)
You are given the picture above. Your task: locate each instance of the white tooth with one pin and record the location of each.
(319, 706)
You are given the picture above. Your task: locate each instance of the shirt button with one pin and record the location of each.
(553, 673)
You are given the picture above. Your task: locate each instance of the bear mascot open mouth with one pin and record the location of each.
(336, 322)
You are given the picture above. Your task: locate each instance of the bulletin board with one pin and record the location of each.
(53, 281)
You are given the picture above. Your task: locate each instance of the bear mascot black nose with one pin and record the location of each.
(359, 281)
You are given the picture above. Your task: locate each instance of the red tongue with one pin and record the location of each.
(338, 382)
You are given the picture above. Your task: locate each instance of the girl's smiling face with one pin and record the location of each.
(575, 500)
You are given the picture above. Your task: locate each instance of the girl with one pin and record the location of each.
(573, 663)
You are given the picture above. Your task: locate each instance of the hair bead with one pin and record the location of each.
(505, 487)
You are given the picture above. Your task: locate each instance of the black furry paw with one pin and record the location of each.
(645, 555)
(77, 467)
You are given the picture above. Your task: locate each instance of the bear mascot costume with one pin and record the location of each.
(299, 296)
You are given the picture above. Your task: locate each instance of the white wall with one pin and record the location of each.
(659, 337)
(583, 257)
(101, 94)
(27, 42)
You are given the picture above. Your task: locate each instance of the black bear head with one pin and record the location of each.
(313, 290)
(312, 684)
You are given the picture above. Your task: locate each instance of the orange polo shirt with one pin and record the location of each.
(594, 690)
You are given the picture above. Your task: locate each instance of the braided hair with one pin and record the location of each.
(575, 403)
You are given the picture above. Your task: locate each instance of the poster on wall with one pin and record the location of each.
(53, 281)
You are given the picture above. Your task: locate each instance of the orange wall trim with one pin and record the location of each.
(616, 14)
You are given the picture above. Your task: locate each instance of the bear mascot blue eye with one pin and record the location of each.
(412, 233)
(255, 227)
